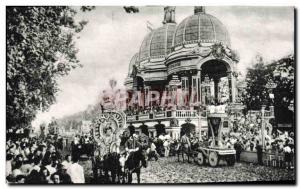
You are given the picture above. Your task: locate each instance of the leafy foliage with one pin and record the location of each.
(52, 126)
(73, 122)
(131, 9)
(87, 8)
(40, 49)
(282, 73)
(256, 93)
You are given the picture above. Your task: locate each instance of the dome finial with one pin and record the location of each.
(199, 9)
(169, 16)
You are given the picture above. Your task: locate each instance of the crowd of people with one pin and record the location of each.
(39, 161)
(155, 109)
(130, 111)
(245, 134)
(35, 160)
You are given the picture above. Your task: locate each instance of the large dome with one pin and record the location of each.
(201, 28)
(158, 43)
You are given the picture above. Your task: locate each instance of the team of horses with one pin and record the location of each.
(112, 167)
(115, 168)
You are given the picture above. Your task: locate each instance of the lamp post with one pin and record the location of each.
(270, 86)
(263, 126)
(241, 87)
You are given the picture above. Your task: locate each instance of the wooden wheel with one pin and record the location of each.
(213, 159)
(200, 158)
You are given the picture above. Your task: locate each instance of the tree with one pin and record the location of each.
(40, 49)
(131, 9)
(52, 126)
(282, 73)
(256, 92)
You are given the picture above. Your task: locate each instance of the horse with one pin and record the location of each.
(173, 149)
(159, 146)
(183, 149)
(111, 164)
(133, 164)
(101, 165)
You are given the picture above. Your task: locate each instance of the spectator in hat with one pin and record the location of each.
(238, 148)
(287, 155)
(259, 151)
(166, 145)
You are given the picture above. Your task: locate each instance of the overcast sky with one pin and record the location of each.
(112, 37)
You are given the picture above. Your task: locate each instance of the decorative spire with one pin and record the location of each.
(199, 10)
(169, 16)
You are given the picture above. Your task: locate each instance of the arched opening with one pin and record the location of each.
(215, 68)
(144, 129)
(160, 129)
(187, 128)
(131, 129)
(217, 82)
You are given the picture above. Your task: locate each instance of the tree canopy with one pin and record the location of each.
(280, 72)
(40, 49)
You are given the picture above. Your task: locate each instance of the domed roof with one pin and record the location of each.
(158, 43)
(201, 27)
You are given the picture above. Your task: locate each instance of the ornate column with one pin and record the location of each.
(263, 108)
(216, 88)
(199, 86)
(205, 90)
(146, 95)
(234, 89)
(184, 83)
(229, 76)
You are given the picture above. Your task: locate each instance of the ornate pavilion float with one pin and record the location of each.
(193, 58)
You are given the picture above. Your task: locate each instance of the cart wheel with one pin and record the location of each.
(200, 158)
(213, 159)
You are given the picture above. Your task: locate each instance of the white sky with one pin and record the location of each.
(112, 37)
